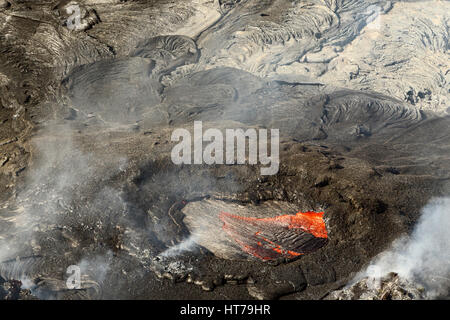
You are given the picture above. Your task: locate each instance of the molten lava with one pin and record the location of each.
(284, 236)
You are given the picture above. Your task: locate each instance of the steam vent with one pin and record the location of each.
(224, 149)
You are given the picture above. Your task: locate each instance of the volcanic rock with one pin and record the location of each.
(390, 287)
(358, 89)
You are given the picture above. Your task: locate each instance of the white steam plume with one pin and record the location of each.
(424, 257)
(189, 244)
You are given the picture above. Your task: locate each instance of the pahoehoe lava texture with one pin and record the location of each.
(359, 90)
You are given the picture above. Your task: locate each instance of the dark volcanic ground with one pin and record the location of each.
(86, 118)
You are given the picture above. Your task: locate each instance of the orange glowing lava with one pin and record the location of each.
(283, 236)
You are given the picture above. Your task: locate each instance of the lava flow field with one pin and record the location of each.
(92, 92)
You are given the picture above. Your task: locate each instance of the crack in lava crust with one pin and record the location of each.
(287, 236)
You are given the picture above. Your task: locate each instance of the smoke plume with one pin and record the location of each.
(424, 256)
